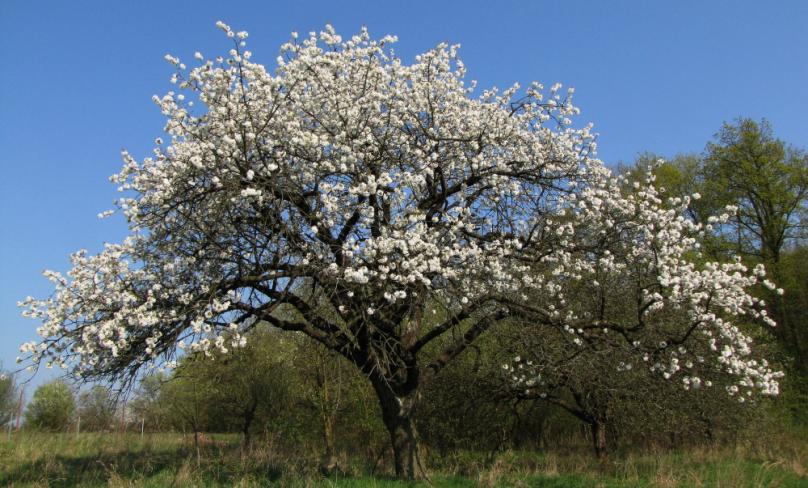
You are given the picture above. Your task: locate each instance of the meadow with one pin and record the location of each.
(29, 459)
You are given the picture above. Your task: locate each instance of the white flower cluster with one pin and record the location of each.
(617, 244)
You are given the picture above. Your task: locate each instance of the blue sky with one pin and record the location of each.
(77, 78)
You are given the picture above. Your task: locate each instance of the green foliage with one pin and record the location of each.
(793, 277)
(239, 386)
(281, 387)
(463, 408)
(765, 178)
(52, 408)
(335, 401)
(186, 397)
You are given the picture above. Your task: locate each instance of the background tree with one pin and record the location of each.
(325, 381)
(748, 167)
(463, 408)
(52, 407)
(616, 395)
(148, 405)
(241, 388)
(766, 179)
(187, 395)
(96, 409)
(383, 188)
(793, 276)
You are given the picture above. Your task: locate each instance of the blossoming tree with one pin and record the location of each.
(361, 193)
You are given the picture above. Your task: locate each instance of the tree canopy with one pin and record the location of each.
(52, 407)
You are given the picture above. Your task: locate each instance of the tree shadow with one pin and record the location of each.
(177, 467)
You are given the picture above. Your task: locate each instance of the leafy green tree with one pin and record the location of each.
(186, 396)
(52, 408)
(765, 178)
(331, 391)
(246, 383)
(793, 277)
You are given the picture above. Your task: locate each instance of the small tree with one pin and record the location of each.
(96, 408)
(186, 397)
(383, 187)
(611, 391)
(148, 405)
(241, 388)
(587, 386)
(326, 382)
(52, 408)
(767, 180)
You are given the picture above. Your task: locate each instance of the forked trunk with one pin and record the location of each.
(398, 412)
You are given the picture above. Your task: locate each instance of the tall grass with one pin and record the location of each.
(158, 460)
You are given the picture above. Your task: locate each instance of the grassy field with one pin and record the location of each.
(160, 460)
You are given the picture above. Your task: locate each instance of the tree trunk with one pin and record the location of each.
(328, 465)
(599, 439)
(402, 437)
(249, 416)
(246, 431)
(397, 413)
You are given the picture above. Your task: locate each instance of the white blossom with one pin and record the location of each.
(388, 184)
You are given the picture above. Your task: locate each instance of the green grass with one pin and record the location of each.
(160, 460)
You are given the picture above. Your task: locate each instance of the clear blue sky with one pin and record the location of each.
(77, 78)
